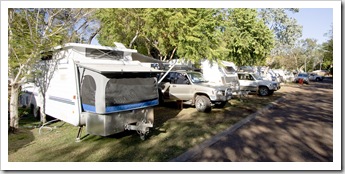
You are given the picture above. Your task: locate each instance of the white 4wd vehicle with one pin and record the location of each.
(254, 83)
(315, 77)
(191, 88)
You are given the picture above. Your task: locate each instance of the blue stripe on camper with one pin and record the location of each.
(125, 107)
(89, 108)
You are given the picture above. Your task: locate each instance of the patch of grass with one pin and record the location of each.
(174, 132)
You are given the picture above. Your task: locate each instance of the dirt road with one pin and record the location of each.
(298, 128)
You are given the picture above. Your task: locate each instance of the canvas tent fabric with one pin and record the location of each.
(130, 90)
(117, 92)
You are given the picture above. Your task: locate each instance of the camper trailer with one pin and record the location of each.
(101, 88)
(224, 73)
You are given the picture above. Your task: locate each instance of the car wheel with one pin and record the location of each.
(220, 104)
(317, 79)
(202, 103)
(263, 91)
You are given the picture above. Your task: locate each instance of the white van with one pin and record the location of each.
(224, 73)
(99, 87)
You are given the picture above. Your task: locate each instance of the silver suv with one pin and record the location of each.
(253, 82)
(191, 88)
(303, 76)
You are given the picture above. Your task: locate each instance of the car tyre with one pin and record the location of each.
(263, 91)
(202, 103)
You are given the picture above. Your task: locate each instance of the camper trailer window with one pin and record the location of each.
(229, 70)
(104, 54)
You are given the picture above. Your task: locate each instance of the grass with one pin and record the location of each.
(174, 132)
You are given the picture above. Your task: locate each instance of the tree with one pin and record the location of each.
(32, 35)
(122, 25)
(247, 37)
(184, 32)
(310, 51)
(285, 29)
(327, 50)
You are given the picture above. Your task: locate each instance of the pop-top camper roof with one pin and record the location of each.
(109, 68)
(68, 45)
(135, 55)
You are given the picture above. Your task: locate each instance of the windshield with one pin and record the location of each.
(196, 77)
(257, 76)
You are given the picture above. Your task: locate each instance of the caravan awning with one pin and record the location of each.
(111, 68)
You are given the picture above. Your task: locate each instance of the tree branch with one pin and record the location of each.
(135, 37)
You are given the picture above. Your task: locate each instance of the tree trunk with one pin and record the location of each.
(43, 110)
(14, 117)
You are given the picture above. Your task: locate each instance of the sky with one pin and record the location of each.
(315, 21)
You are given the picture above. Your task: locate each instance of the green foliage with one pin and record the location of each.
(327, 54)
(286, 29)
(327, 49)
(248, 39)
(189, 33)
(286, 32)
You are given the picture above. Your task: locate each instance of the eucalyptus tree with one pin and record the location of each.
(31, 34)
(171, 32)
(311, 53)
(286, 30)
(327, 49)
(122, 25)
(247, 38)
(191, 33)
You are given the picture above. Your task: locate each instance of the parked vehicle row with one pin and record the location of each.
(214, 87)
(308, 77)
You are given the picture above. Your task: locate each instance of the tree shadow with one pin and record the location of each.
(299, 129)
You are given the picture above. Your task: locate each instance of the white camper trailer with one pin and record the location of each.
(98, 87)
(224, 73)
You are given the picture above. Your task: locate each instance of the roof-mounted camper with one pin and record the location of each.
(223, 73)
(99, 87)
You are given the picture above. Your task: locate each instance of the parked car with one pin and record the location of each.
(303, 76)
(191, 88)
(321, 72)
(253, 82)
(315, 77)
